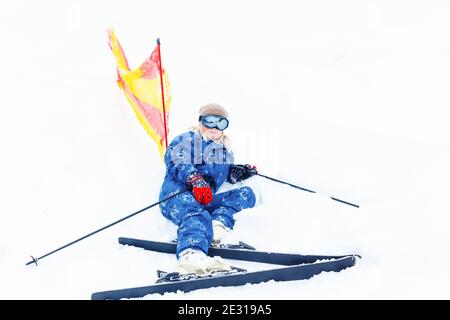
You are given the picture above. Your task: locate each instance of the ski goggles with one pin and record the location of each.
(212, 121)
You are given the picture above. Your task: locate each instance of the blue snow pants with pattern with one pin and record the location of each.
(194, 220)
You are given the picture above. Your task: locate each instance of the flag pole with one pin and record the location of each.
(162, 90)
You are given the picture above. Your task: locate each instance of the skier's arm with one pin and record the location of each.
(179, 159)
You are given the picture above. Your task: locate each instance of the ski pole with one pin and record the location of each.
(35, 260)
(308, 190)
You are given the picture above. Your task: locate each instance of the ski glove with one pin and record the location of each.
(200, 188)
(241, 172)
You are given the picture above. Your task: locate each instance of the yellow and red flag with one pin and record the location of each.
(146, 91)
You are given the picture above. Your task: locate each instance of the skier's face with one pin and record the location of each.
(212, 134)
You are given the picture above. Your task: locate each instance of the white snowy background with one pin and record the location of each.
(348, 98)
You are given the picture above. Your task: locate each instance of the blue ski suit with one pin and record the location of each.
(187, 153)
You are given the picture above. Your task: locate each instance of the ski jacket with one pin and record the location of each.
(190, 152)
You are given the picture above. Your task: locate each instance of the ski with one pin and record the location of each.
(294, 267)
(286, 273)
(234, 253)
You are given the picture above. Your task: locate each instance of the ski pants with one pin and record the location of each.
(194, 220)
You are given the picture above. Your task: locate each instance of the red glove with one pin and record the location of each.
(200, 188)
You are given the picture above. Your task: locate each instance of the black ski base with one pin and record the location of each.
(297, 267)
(234, 253)
(300, 272)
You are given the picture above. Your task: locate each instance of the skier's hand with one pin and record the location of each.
(241, 172)
(200, 188)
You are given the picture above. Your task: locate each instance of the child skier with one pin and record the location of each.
(200, 161)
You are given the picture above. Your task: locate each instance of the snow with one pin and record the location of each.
(347, 98)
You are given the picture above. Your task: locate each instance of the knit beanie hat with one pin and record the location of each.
(213, 108)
